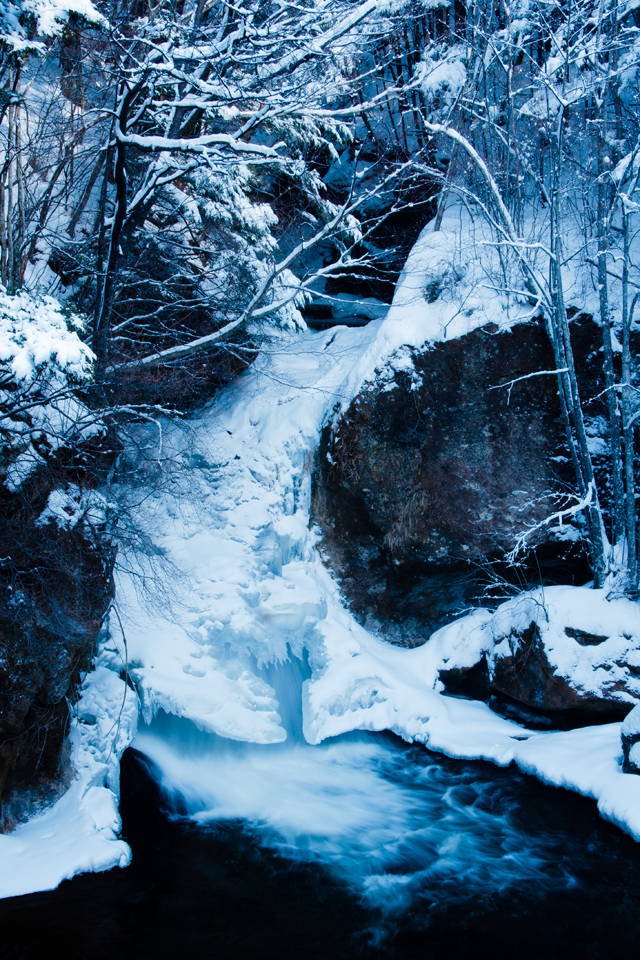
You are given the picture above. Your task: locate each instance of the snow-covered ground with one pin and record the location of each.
(243, 588)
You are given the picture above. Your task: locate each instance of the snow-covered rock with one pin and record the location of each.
(630, 736)
(567, 649)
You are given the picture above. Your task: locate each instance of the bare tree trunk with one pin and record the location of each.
(47, 196)
(3, 231)
(615, 444)
(627, 426)
(95, 173)
(444, 193)
(104, 300)
(570, 393)
(20, 260)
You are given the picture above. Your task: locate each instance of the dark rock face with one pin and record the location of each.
(55, 586)
(528, 678)
(428, 476)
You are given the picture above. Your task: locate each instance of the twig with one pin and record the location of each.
(539, 373)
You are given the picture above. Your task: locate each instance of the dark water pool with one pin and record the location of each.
(217, 890)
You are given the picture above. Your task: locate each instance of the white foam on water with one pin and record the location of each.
(386, 825)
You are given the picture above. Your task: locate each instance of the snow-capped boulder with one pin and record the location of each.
(442, 462)
(561, 656)
(630, 736)
(567, 649)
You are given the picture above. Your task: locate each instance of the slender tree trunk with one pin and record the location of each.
(4, 279)
(9, 212)
(20, 260)
(615, 444)
(104, 300)
(95, 173)
(627, 426)
(570, 393)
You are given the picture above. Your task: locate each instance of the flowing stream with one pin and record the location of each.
(389, 823)
(363, 846)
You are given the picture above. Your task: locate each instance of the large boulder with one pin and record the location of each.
(523, 671)
(437, 468)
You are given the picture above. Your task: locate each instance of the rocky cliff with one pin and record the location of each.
(55, 585)
(437, 470)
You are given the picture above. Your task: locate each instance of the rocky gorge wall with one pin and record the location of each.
(432, 473)
(55, 587)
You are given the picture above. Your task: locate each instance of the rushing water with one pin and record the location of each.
(360, 847)
(489, 863)
(391, 824)
(499, 865)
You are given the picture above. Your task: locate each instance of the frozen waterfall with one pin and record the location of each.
(251, 677)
